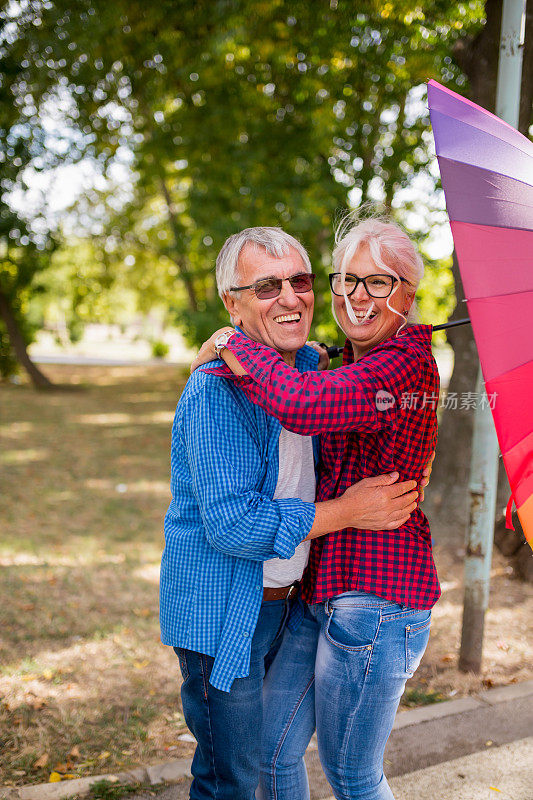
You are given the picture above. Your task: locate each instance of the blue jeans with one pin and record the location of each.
(344, 670)
(227, 725)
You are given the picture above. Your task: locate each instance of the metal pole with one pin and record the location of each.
(484, 463)
(482, 488)
(510, 61)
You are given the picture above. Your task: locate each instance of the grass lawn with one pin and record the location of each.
(85, 685)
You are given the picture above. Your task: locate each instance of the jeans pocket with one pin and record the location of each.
(182, 658)
(353, 628)
(416, 639)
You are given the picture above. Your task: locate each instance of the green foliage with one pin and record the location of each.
(229, 114)
(106, 790)
(418, 697)
(159, 349)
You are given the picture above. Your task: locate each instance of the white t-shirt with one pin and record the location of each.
(296, 478)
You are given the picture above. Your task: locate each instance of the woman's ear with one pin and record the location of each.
(408, 302)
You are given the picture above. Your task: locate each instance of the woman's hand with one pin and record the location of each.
(323, 362)
(427, 474)
(207, 350)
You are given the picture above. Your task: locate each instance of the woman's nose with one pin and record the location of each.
(360, 293)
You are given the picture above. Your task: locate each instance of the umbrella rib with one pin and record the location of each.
(503, 294)
(489, 135)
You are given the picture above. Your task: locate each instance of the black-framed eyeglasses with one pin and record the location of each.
(268, 288)
(375, 285)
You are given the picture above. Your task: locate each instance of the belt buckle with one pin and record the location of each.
(293, 590)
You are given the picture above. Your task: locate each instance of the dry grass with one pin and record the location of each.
(85, 685)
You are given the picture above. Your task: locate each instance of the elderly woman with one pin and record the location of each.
(369, 593)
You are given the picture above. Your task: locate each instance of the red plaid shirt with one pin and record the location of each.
(375, 415)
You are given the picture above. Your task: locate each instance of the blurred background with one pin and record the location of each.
(134, 138)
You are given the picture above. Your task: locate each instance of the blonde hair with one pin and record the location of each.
(391, 250)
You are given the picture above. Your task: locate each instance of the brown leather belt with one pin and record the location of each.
(281, 592)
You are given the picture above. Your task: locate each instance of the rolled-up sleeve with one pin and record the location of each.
(226, 463)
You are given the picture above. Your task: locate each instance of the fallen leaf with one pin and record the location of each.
(104, 754)
(489, 743)
(186, 737)
(48, 674)
(494, 789)
(75, 752)
(69, 776)
(55, 777)
(142, 612)
(42, 761)
(38, 703)
(141, 664)
(60, 768)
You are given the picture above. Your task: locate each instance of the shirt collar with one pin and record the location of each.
(414, 334)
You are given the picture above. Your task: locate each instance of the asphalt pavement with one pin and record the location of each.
(475, 748)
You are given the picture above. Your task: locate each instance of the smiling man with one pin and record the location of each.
(242, 514)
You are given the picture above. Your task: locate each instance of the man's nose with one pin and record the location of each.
(288, 296)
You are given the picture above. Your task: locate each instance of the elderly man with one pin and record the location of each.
(242, 514)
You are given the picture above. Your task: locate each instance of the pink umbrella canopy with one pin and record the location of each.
(486, 168)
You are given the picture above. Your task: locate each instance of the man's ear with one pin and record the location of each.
(231, 307)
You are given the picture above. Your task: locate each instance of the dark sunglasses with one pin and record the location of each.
(271, 287)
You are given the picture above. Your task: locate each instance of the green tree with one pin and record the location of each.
(237, 113)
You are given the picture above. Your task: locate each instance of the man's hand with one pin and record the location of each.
(426, 475)
(377, 504)
(207, 350)
(380, 503)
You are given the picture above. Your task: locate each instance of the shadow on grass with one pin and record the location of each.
(82, 666)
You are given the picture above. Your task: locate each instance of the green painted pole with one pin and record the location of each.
(484, 464)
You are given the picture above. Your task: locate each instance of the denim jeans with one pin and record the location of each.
(227, 725)
(344, 670)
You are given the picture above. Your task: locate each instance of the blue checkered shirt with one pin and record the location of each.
(222, 522)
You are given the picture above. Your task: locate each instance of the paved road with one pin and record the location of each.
(475, 748)
(450, 756)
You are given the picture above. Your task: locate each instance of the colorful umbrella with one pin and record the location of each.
(486, 168)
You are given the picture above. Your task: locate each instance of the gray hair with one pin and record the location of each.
(391, 249)
(274, 240)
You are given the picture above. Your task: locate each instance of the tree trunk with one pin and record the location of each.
(526, 98)
(19, 345)
(184, 273)
(447, 506)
